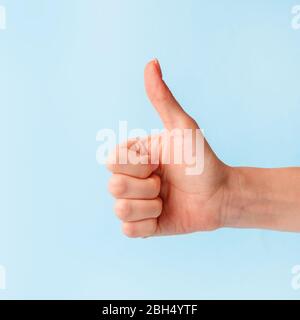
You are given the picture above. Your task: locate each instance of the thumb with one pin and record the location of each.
(169, 110)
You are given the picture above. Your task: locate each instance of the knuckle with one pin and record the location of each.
(192, 123)
(159, 206)
(122, 209)
(188, 122)
(146, 171)
(117, 186)
(129, 230)
(162, 96)
(155, 179)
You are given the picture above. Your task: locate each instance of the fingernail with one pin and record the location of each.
(157, 64)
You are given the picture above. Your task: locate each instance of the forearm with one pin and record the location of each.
(263, 198)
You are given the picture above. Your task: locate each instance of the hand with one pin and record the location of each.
(162, 199)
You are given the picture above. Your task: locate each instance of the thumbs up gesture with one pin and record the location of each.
(158, 198)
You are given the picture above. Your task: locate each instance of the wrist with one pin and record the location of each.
(247, 200)
(232, 203)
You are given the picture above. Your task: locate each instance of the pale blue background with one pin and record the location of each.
(70, 68)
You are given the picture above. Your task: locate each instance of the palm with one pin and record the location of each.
(191, 203)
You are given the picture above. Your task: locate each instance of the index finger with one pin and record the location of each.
(133, 159)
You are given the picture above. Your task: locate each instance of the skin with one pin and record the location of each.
(161, 199)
